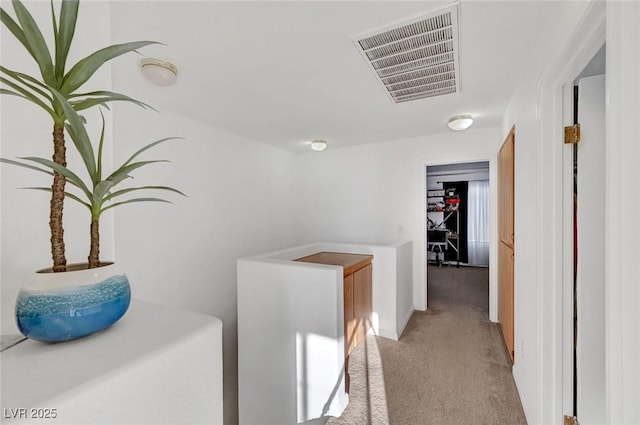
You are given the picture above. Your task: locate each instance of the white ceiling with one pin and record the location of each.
(288, 72)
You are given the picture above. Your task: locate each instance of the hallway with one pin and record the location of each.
(449, 367)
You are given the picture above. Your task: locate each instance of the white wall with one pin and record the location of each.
(527, 134)
(26, 131)
(376, 193)
(538, 223)
(623, 233)
(240, 202)
(537, 109)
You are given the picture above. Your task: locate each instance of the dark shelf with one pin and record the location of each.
(443, 211)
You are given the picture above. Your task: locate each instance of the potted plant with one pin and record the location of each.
(86, 299)
(70, 301)
(54, 76)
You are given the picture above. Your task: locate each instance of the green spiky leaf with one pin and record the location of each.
(15, 29)
(132, 189)
(101, 98)
(130, 201)
(122, 173)
(35, 39)
(102, 189)
(100, 149)
(149, 146)
(67, 194)
(28, 95)
(78, 135)
(70, 175)
(29, 166)
(85, 68)
(66, 30)
(27, 82)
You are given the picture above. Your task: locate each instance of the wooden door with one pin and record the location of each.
(506, 237)
(362, 306)
(349, 316)
(505, 296)
(505, 190)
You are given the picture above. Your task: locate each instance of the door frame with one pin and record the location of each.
(493, 227)
(555, 250)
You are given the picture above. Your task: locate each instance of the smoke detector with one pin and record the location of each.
(415, 59)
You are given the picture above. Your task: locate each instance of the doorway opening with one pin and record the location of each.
(458, 220)
(584, 347)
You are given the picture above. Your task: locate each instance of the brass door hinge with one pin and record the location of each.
(572, 134)
(571, 420)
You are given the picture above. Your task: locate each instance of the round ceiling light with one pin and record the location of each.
(319, 145)
(460, 122)
(159, 72)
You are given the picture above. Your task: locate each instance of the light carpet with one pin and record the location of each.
(449, 367)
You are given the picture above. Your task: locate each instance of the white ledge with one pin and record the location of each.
(157, 365)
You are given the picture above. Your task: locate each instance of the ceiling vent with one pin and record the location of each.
(417, 58)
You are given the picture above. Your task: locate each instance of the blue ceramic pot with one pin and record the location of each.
(58, 307)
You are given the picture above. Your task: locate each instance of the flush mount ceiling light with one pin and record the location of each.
(460, 122)
(159, 72)
(318, 145)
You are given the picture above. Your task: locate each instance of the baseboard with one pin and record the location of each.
(404, 323)
(523, 400)
(387, 334)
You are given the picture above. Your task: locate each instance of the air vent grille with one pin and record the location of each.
(416, 59)
(423, 81)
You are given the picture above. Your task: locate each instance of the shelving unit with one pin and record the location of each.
(442, 234)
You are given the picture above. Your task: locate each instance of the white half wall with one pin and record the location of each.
(391, 279)
(297, 309)
(404, 286)
(291, 342)
(156, 366)
(392, 287)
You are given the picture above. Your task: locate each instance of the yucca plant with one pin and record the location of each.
(55, 78)
(98, 195)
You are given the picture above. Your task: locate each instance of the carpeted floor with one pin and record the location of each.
(449, 366)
